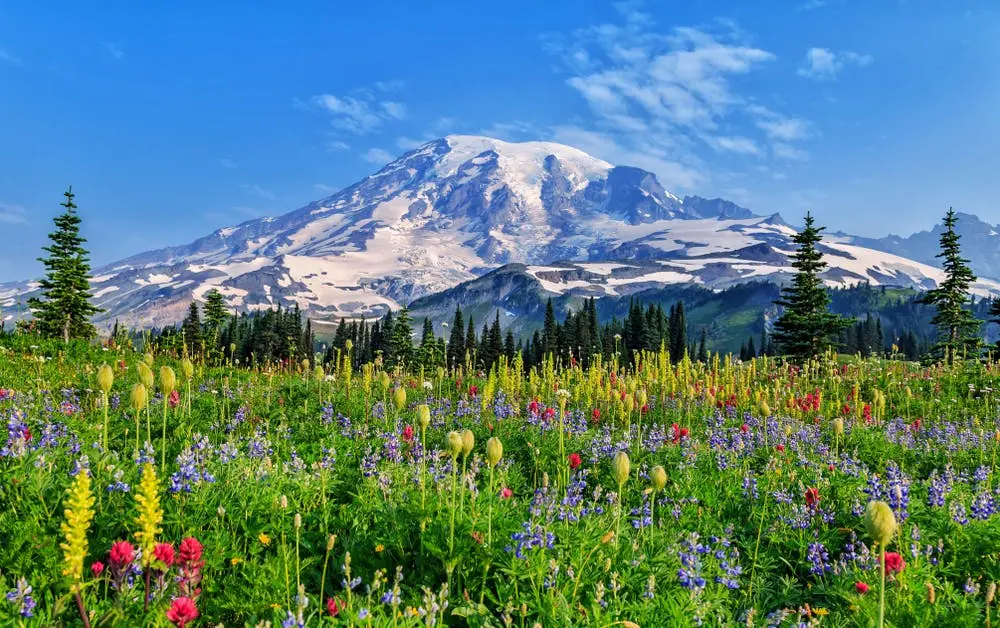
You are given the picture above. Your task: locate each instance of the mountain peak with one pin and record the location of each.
(455, 208)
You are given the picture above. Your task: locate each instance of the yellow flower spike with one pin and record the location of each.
(79, 513)
(150, 513)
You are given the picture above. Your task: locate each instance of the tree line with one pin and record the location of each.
(806, 327)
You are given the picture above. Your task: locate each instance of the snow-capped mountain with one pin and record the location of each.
(456, 208)
(980, 244)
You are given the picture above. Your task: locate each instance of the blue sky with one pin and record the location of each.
(173, 119)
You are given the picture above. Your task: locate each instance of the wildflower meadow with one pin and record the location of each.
(142, 489)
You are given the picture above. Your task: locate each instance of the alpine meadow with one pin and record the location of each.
(531, 366)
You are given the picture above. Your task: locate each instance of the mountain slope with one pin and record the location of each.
(456, 208)
(980, 244)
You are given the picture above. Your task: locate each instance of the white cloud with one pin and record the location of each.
(740, 145)
(822, 64)
(444, 124)
(389, 86)
(512, 131)
(672, 174)
(322, 188)
(9, 59)
(665, 100)
(361, 112)
(778, 127)
(253, 188)
(13, 214)
(229, 164)
(113, 49)
(337, 145)
(409, 143)
(782, 150)
(395, 110)
(378, 156)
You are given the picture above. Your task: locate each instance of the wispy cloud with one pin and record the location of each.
(362, 111)
(13, 214)
(778, 127)
(113, 49)
(229, 164)
(378, 156)
(253, 188)
(9, 58)
(663, 99)
(409, 143)
(512, 131)
(821, 64)
(323, 188)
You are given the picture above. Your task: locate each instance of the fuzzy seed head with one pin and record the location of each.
(187, 368)
(148, 359)
(494, 451)
(838, 426)
(399, 398)
(168, 380)
(658, 478)
(105, 378)
(145, 375)
(621, 466)
(139, 397)
(880, 523)
(423, 415)
(454, 444)
(468, 442)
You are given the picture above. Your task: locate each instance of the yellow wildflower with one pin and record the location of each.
(235, 560)
(380, 548)
(79, 513)
(150, 513)
(264, 539)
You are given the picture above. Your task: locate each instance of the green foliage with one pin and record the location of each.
(957, 327)
(806, 327)
(63, 310)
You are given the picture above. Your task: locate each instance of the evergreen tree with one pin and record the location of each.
(63, 310)
(192, 329)
(401, 341)
(509, 348)
(215, 312)
(957, 327)
(678, 332)
(703, 346)
(549, 332)
(806, 327)
(456, 342)
(471, 344)
(495, 345)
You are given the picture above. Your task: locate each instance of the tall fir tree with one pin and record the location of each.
(215, 312)
(192, 329)
(401, 341)
(957, 327)
(995, 314)
(456, 342)
(64, 309)
(806, 327)
(549, 332)
(703, 346)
